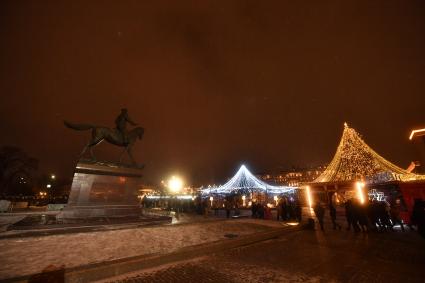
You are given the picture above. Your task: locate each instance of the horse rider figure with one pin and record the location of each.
(121, 124)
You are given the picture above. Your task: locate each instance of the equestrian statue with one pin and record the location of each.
(118, 136)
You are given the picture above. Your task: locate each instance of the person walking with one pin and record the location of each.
(395, 215)
(279, 210)
(319, 211)
(298, 211)
(332, 213)
(228, 207)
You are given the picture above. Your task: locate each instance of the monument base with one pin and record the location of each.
(98, 211)
(102, 190)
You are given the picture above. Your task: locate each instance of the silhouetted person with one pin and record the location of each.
(372, 213)
(279, 210)
(284, 209)
(260, 211)
(349, 213)
(332, 213)
(319, 211)
(228, 207)
(254, 209)
(361, 209)
(383, 215)
(395, 214)
(298, 211)
(418, 216)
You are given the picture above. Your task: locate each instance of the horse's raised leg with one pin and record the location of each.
(93, 158)
(84, 150)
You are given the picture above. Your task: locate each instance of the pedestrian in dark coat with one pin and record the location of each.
(332, 213)
(319, 211)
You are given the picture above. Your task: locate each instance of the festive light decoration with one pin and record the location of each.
(355, 160)
(418, 132)
(375, 195)
(246, 182)
(360, 186)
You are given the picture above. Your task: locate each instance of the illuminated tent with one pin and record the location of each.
(244, 181)
(355, 160)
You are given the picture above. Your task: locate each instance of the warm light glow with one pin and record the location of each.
(309, 199)
(53, 176)
(416, 131)
(48, 186)
(175, 184)
(243, 200)
(360, 186)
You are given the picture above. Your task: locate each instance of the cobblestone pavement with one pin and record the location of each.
(304, 256)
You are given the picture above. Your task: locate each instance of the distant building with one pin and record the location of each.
(294, 177)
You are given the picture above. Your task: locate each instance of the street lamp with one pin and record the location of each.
(175, 184)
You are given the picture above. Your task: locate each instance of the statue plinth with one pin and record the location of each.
(103, 190)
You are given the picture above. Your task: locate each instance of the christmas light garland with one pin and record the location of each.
(355, 160)
(245, 181)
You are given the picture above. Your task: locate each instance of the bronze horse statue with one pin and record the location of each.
(113, 136)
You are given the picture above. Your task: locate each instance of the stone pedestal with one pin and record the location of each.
(103, 190)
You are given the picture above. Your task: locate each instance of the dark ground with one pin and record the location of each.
(312, 256)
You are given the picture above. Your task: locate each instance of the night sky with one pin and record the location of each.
(214, 83)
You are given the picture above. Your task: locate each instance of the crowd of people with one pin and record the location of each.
(374, 215)
(289, 209)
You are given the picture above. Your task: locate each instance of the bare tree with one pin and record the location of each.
(16, 170)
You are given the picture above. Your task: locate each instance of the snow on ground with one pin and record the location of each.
(21, 256)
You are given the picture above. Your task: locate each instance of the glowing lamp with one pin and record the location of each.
(309, 198)
(175, 184)
(417, 132)
(360, 186)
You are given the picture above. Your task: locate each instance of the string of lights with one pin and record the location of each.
(355, 160)
(244, 180)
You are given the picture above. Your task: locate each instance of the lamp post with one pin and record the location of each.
(418, 137)
(360, 194)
